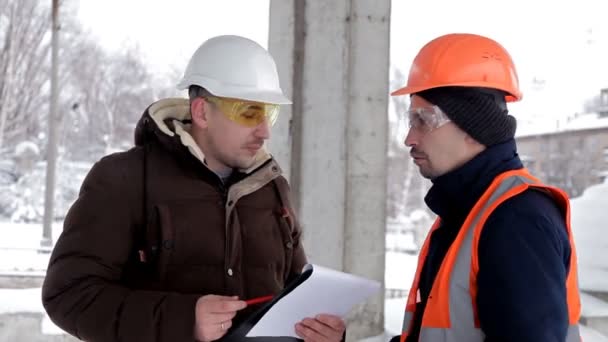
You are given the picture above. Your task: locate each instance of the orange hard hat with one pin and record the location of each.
(465, 60)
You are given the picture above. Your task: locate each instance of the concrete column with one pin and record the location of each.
(333, 59)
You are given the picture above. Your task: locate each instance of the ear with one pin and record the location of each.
(199, 111)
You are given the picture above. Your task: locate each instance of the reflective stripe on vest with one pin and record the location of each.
(450, 314)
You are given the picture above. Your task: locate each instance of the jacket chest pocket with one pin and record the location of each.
(267, 242)
(183, 234)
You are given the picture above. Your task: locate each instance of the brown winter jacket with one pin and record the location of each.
(158, 202)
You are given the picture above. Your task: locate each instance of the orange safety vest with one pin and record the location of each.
(451, 311)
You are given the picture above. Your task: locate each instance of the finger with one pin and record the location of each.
(225, 325)
(210, 333)
(319, 331)
(232, 305)
(318, 326)
(213, 331)
(307, 334)
(220, 329)
(217, 318)
(335, 322)
(216, 335)
(225, 305)
(219, 298)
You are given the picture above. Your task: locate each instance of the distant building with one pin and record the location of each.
(574, 154)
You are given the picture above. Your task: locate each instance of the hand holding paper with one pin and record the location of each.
(321, 291)
(322, 328)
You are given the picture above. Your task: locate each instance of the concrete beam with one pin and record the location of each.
(333, 59)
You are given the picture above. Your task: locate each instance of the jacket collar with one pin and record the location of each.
(454, 194)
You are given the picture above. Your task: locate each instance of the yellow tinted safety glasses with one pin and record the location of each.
(246, 113)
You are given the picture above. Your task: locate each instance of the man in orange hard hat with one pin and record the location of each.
(499, 264)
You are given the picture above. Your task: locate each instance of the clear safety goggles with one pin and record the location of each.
(426, 119)
(246, 113)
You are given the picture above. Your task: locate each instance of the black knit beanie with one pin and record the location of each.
(481, 112)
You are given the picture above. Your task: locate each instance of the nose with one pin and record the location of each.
(262, 130)
(412, 138)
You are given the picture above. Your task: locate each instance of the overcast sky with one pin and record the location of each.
(168, 32)
(564, 46)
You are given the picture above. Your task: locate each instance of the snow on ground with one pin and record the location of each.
(401, 241)
(400, 269)
(393, 315)
(13, 301)
(19, 255)
(593, 306)
(589, 217)
(20, 300)
(49, 328)
(19, 248)
(590, 335)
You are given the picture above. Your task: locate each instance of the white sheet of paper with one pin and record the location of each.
(326, 291)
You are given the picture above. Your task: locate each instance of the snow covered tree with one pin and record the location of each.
(101, 96)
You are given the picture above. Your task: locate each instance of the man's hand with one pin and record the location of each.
(322, 328)
(213, 316)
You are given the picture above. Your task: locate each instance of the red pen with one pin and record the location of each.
(258, 300)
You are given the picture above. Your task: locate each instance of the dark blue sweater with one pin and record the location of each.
(524, 252)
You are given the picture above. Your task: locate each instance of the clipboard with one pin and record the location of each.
(240, 332)
(296, 288)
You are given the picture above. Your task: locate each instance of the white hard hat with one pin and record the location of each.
(235, 67)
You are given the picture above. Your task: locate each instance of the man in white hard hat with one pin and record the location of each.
(167, 240)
